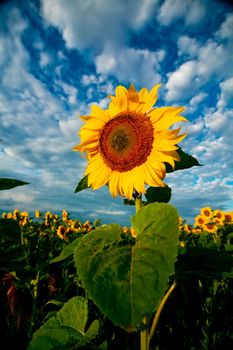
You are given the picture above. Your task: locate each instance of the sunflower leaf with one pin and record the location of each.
(82, 185)
(7, 184)
(158, 194)
(66, 329)
(126, 278)
(186, 161)
(129, 201)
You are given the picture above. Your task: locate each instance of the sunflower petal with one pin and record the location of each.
(121, 98)
(99, 113)
(151, 99)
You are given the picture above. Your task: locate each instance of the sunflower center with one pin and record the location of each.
(126, 141)
(120, 140)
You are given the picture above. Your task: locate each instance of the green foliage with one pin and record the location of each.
(6, 184)
(202, 262)
(82, 185)
(66, 328)
(158, 194)
(153, 194)
(186, 161)
(67, 251)
(127, 278)
(10, 244)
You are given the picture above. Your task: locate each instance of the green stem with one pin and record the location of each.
(144, 335)
(161, 306)
(34, 305)
(138, 203)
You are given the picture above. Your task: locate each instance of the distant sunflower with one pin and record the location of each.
(210, 227)
(228, 217)
(199, 221)
(207, 212)
(218, 214)
(128, 143)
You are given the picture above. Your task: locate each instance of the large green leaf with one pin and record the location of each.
(6, 184)
(186, 161)
(65, 329)
(82, 185)
(124, 277)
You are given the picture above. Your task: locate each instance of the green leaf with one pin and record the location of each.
(66, 327)
(129, 201)
(186, 161)
(11, 252)
(82, 185)
(6, 184)
(10, 231)
(158, 194)
(127, 279)
(67, 251)
(93, 330)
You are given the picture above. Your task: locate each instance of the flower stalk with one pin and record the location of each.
(158, 312)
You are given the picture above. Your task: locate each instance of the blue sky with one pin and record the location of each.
(58, 57)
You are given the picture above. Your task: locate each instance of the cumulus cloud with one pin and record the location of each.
(188, 46)
(226, 95)
(137, 66)
(226, 29)
(213, 61)
(45, 59)
(95, 24)
(191, 11)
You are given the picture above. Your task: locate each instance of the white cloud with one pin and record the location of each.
(188, 46)
(45, 59)
(95, 24)
(192, 11)
(226, 29)
(17, 196)
(181, 81)
(213, 61)
(132, 65)
(70, 127)
(226, 92)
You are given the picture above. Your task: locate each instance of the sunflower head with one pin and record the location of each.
(207, 213)
(199, 221)
(210, 227)
(128, 143)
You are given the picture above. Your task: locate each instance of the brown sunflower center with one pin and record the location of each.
(126, 141)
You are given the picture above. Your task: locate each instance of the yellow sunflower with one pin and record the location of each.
(228, 217)
(210, 227)
(218, 214)
(199, 221)
(128, 143)
(207, 213)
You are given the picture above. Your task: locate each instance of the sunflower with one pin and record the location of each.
(199, 221)
(218, 214)
(210, 227)
(128, 143)
(228, 217)
(207, 213)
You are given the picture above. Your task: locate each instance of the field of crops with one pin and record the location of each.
(40, 286)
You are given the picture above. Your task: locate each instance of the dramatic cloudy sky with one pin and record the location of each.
(58, 57)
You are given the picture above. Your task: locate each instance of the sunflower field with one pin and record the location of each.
(42, 297)
(159, 284)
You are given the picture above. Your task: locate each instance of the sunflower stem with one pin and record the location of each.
(158, 312)
(138, 202)
(144, 335)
